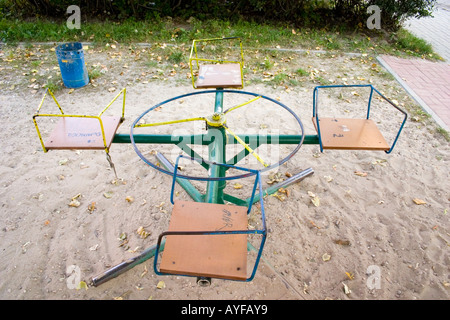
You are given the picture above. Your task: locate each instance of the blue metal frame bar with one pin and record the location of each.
(262, 231)
(372, 89)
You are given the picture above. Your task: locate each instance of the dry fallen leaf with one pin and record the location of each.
(361, 174)
(74, 202)
(91, 207)
(141, 231)
(418, 201)
(129, 199)
(161, 285)
(314, 199)
(237, 186)
(82, 285)
(144, 272)
(347, 291)
(342, 242)
(279, 196)
(326, 257)
(108, 195)
(275, 177)
(350, 275)
(287, 192)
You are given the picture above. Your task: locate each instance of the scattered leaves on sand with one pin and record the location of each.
(314, 224)
(275, 177)
(161, 285)
(123, 238)
(161, 207)
(314, 199)
(350, 275)
(342, 242)
(419, 201)
(144, 272)
(142, 232)
(118, 182)
(108, 194)
(287, 192)
(74, 202)
(347, 291)
(91, 207)
(381, 162)
(82, 285)
(280, 197)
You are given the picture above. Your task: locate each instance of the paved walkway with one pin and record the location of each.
(428, 82)
(435, 30)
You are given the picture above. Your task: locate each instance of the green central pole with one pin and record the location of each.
(217, 136)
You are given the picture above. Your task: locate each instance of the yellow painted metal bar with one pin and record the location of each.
(168, 122)
(216, 60)
(114, 99)
(246, 146)
(54, 99)
(71, 116)
(242, 104)
(37, 114)
(197, 60)
(39, 134)
(193, 48)
(242, 63)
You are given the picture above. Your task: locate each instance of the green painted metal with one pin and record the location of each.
(184, 183)
(217, 153)
(205, 139)
(125, 266)
(216, 139)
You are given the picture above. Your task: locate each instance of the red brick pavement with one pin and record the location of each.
(427, 82)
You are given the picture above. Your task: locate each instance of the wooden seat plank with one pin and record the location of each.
(226, 75)
(82, 133)
(217, 256)
(350, 134)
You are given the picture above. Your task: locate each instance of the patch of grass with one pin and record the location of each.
(180, 32)
(94, 73)
(322, 81)
(53, 86)
(409, 43)
(444, 133)
(301, 72)
(280, 78)
(176, 55)
(268, 64)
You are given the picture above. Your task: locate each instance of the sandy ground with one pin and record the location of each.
(366, 239)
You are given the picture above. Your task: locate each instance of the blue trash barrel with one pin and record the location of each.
(71, 63)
